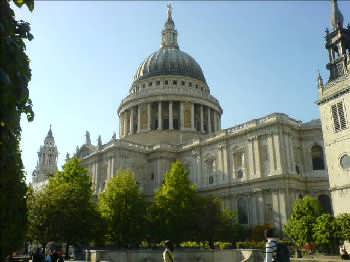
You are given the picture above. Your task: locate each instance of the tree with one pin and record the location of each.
(39, 225)
(301, 223)
(173, 209)
(343, 221)
(326, 233)
(215, 224)
(64, 210)
(123, 207)
(14, 100)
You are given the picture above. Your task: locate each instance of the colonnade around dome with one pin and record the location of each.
(169, 115)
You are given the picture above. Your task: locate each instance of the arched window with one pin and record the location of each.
(325, 203)
(242, 211)
(317, 158)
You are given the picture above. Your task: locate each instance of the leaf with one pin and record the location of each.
(19, 3)
(30, 5)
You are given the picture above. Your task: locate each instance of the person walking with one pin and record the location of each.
(168, 252)
(275, 251)
(271, 245)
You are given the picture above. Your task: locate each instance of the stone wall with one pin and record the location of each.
(180, 255)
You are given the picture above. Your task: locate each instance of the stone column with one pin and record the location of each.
(171, 122)
(121, 128)
(279, 157)
(125, 123)
(292, 158)
(209, 122)
(181, 115)
(215, 121)
(202, 120)
(131, 121)
(260, 208)
(159, 115)
(192, 117)
(149, 116)
(138, 118)
(257, 156)
(272, 159)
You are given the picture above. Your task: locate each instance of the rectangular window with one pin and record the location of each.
(174, 82)
(166, 82)
(338, 115)
(182, 83)
(158, 83)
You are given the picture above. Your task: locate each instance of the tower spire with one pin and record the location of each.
(49, 134)
(319, 80)
(169, 34)
(338, 44)
(337, 18)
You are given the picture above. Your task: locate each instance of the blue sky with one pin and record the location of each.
(257, 57)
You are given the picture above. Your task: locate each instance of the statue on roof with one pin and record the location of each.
(87, 138)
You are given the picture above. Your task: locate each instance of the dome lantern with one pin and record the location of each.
(169, 34)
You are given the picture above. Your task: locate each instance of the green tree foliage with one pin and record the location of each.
(14, 100)
(123, 207)
(64, 210)
(214, 224)
(326, 233)
(343, 221)
(173, 209)
(301, 223)
(39, 226)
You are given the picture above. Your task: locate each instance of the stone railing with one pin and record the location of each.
(181, 255)
(168, 91)
(275, 117)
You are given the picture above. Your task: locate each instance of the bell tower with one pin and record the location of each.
(334, 105)
(338, 44)
(47, 160)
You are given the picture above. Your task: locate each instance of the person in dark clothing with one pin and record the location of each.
(37, 256)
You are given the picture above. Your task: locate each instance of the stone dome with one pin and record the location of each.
(169, 61)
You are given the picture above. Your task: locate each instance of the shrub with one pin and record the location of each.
(223, 245)
(194, 244)
(251, 245)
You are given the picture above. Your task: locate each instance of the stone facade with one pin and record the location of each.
(334, 104)
(258, 168)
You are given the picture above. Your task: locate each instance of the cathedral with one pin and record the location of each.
(257, 168)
